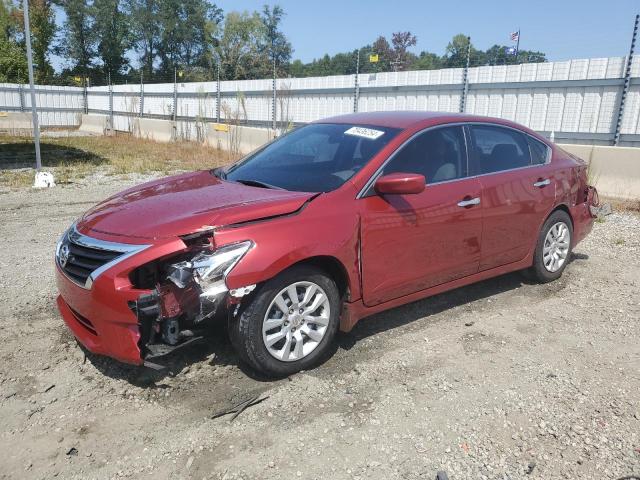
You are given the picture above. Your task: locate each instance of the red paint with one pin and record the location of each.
(183, 204)
(413, 242)
(400, 184)
(393, 248)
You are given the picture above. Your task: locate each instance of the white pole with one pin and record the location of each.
(34, 112)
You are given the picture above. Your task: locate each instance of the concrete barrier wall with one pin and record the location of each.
(93, 123)
(615, 171)
(226, 137)
(158, 130)
(242, 139)
(15, 121)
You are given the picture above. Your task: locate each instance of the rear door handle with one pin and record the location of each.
(542, 183)
(470, 202)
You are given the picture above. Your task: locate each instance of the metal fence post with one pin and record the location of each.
(85, 97)
(273, 96)
(175, 94)
(218, 94)
(465, 78)
(174, 127)
(21, 93)
(110, 127)
(627, 81)
(356, 93)
(141, 112)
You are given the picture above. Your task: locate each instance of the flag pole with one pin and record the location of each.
(518, 45)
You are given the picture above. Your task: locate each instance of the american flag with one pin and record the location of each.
(515, 36)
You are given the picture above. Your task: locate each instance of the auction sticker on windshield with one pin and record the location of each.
(368, 133)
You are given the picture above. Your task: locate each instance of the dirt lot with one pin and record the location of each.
(500, 380)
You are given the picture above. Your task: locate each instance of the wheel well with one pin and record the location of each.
(565, 209)
(333, 268)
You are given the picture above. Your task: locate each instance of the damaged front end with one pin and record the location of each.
(188, 293)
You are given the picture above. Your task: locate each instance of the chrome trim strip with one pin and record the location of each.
(128, 250)
(363, 191)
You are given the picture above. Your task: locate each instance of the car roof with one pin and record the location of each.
(413, 118)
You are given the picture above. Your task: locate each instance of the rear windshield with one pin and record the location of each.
(315, 158)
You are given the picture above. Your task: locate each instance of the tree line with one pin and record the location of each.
(154, 40)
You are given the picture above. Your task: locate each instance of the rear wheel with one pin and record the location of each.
(290, 324)
(553, 249)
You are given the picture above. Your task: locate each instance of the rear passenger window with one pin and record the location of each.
(498, 148)
(438, 154)
(539, 151)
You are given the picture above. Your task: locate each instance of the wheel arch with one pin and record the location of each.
(333, 267)
(563, 207)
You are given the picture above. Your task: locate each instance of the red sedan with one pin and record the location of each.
(335, 221)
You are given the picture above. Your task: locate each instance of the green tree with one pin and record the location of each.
(42, 26)
(241, 46)
(13, 63)
(382, 48)
(111, 31)
(456, 53)
(43, 29)
(188, 31)
(297, 69)
(426, 61)
(274, 40)
(145, 28)
(77, 42)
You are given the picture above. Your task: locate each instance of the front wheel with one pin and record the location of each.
(290, 324)
(553, 249)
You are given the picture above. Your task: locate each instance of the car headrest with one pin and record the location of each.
(504, 151)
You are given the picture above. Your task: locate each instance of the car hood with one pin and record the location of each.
(185, 204)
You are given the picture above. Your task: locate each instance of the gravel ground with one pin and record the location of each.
(499, 380)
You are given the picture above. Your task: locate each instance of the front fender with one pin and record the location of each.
(319, 230)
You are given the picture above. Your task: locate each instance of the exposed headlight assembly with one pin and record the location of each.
(209, 269)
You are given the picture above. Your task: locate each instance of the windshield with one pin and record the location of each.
(315, 158)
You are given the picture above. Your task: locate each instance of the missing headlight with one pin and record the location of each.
(186, 293)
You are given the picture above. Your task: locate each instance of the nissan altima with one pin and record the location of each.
(328, 224)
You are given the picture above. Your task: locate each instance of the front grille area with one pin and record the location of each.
(83, 258)
(82, 261)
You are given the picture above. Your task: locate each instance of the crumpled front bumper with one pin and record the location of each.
(100, 318)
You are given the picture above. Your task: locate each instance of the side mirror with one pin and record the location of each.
(400, 184)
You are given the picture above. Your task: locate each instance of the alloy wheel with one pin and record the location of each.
(296, 321)
(556, 247)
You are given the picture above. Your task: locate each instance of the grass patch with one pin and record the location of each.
(73, 158)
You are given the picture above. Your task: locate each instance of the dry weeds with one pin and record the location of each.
(73, 158)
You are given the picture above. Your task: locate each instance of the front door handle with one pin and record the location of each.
(542, 183)
(469, 202)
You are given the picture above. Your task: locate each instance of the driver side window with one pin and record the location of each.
(438, 154)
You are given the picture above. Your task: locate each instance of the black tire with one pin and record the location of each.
(245, 330)
(538, 272)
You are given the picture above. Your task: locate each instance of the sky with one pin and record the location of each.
(563, 29)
